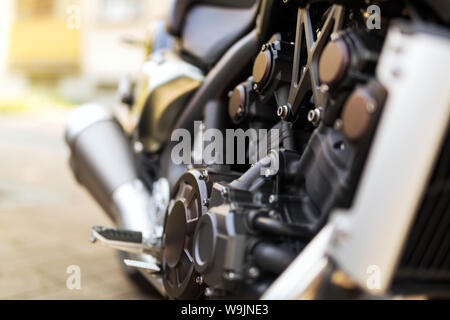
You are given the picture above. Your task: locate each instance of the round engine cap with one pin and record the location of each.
(236, 105)
(261, 67)
(358, 114)
(333, 62)
(179, 276)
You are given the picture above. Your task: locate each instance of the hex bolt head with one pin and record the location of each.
(283, 111)
(334, 36)
(273, 214)
(230, 275)
(311, 115)
(273, 198)
(324, 88)
(371, 108)
(253, 272)
(204, 175)
(199, 280)
(138, 147)
(314, 116)
(224, 192)
(209, 292)
(338, 124)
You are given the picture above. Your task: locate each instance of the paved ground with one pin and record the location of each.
(45, 219)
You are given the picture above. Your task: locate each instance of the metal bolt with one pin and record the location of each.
(138, 146)
(340, 145)
(264, 47)
(324, 88)
(314, 116)
(283, 111)
(224, 192)
(204, 175)
(253, 272)
(273, 214)
(230, 275)
(370, 108)
(273, 198)
(338, 124)
(334, 36)
(240, 111)
(199, 280)
(209, 292)
(255, 86)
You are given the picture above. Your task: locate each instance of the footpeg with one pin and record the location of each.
(123, 240)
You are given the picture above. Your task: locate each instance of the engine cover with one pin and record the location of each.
(165, 86)
(186, 207)
(189, 202)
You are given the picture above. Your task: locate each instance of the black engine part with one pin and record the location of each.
(186, 207)
(189, 202)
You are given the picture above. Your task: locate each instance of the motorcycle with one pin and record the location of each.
(280, 150)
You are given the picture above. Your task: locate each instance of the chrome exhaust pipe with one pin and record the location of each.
(102, 161)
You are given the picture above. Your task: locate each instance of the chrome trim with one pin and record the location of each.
(165, 66)
(83, 117)
(162, 67)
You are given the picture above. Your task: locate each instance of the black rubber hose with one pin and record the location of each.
(246, 180)
(278, 228)
(271, 258)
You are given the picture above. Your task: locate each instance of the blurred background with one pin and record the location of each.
(54, 55)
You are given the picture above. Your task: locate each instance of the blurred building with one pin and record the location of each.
(74, 44)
